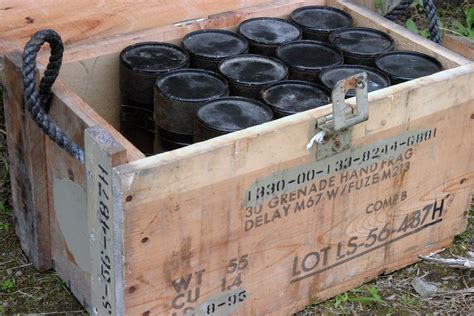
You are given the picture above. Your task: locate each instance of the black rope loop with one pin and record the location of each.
(433, 25)
(399, 10)
(38, 102)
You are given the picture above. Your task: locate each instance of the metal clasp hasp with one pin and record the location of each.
(335, 128)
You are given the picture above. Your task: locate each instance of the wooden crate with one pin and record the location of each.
(184, 230)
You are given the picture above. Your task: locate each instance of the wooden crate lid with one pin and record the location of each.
(78, 21)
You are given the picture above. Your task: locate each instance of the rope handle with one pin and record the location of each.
(433, 24)
(38, 102)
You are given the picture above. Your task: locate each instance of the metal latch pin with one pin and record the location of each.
(345, 115)
(334, 133)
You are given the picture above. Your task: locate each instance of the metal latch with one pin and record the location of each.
(335, 129)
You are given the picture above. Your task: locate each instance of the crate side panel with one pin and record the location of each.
(67, 193)
(362, 17)
(68, 217)
(71, 113)
(104, 222)
(370, 4)
(26, 149)
(169, 31)
(220, 225)
(96, 81)
(85, 20)
(402, 261)
(461, 45)
(68, 205)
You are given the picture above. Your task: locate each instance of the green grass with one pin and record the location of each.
(410, 300)
(7, 285)
(367, 296)
(4, 226)
(412, 27)
(465, 28)
(4, 210)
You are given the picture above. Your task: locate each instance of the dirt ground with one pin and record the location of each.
(24, 290)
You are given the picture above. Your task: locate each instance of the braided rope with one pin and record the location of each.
(38, 103)
(433, 25)
(399, 10)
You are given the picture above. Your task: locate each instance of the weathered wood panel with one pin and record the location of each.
(460, 45)
(67, 192)
(202, 236)
(37, 163)
(27, 169)
(369, 4)
(79, 21)
(104, 221)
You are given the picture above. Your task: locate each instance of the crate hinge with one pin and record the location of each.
(334, 129)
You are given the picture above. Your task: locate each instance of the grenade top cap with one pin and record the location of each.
(153, 57)
(309, 55)
(191, 85)
(361, 41)
(293, 96)
(407, 65)
(231, 114)
(214, 44)
(321, 18)
(252, 69)
(269, 31)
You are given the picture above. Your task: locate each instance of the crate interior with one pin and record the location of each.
(96, 79)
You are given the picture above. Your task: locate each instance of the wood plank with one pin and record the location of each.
(70, 250)
(369, 4)
(67, 197)
(38, 167)
(403, 261)
(92, 19)
(197, 224)
(404, 39)
(5, 46)
(460, 45)
(170, 32)
(27, 168)
(72, 108)
(103, 153)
